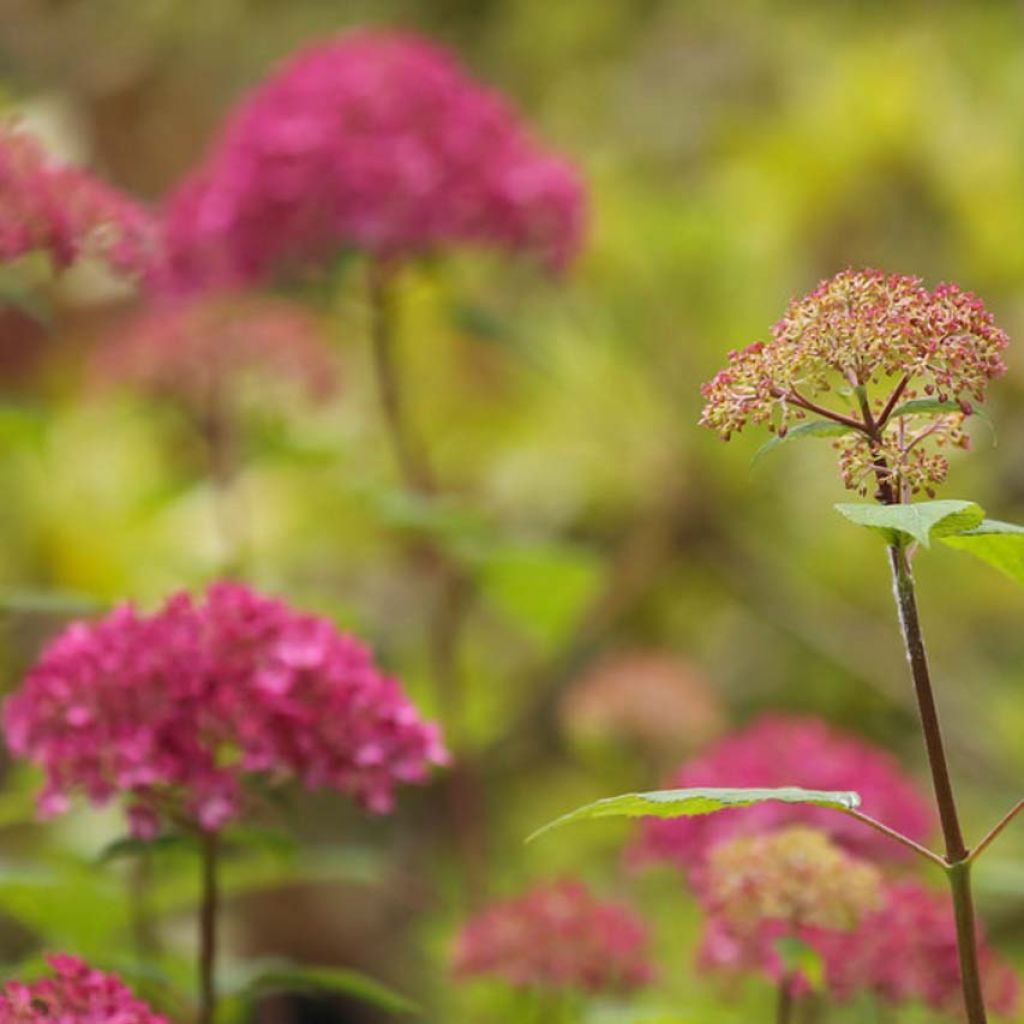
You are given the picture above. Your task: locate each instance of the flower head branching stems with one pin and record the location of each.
(910, 364)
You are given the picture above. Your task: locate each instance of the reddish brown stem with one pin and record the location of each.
(796, 398)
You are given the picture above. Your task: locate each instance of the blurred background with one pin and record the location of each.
(637, 587)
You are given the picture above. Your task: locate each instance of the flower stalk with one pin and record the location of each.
(208, 910)
(957, 855)
(448, 610)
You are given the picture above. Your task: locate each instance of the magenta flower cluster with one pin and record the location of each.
(557, 936)
(905, 951)
(62, 211)
(373, 141)
(176, 709)
(778, 750)
(202, 350)
(74, 994)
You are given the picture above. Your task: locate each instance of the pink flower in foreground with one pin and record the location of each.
(783, 751)
(174, 710)
(904, 952)
(64, 212)
(374, 141)
(75, 994)
(557, 936)
(880, 340)
(198, 350)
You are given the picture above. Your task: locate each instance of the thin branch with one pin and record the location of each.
(805, 403)
(997, 830)
(886, 412)
(899, 837)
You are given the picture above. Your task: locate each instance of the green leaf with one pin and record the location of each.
(133, 846)
(799, 958)
(813, 428)
(999, 544)
(687, 803)
(922, 406)
(336, 980)
(920, 520)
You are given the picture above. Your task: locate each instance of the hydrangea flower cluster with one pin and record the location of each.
(64, 212)
(174, 710)
(902, 951)
(374, 141)
(196, 349)
(882, 341)
(796, 875)
(778, 750)
(75, 994)
(556, 936)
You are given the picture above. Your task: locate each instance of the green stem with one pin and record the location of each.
(208, 909)
(958, 866)
(786, 1002)
(447, 613)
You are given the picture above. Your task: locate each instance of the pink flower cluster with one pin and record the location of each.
(196, 350)
(905, 951)
(883, 340)
(790, 751)
(556, 936)
(374, 141)
(175, 709)
(76, 994)
(64, 212)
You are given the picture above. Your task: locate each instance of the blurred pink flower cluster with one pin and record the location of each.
(556, 936)
(60, 210)
(198, 350)
(374, 141)
(175, 709)
(905, 951)
(778, 750)
(75, 994)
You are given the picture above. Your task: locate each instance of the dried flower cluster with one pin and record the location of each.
(174, 710)
(65, 213)
(198, 350)
(373, 141)
(75, 994)
(795, 875)
(557, 936)
(878, 341)
(791, 751)
(903, 951)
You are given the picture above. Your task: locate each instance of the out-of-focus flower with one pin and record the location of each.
(197, 350)
(796, 876)
(657, 701)
(791, 751)
(882, 340)
(75, 994)
(174, 710)
(904, 951)
(375, 141)
(557, 936)
(66, 213)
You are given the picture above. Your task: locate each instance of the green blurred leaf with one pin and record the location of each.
(813, 428)
(687, 803)
(921, 406)
(132, 846)
(800, 958)
(921, 520)
(999, 544)
(332, 980)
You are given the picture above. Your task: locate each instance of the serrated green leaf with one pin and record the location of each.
(813, 428)
(336, 980)
(999, 544)
(921, 520)
(688, 803)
